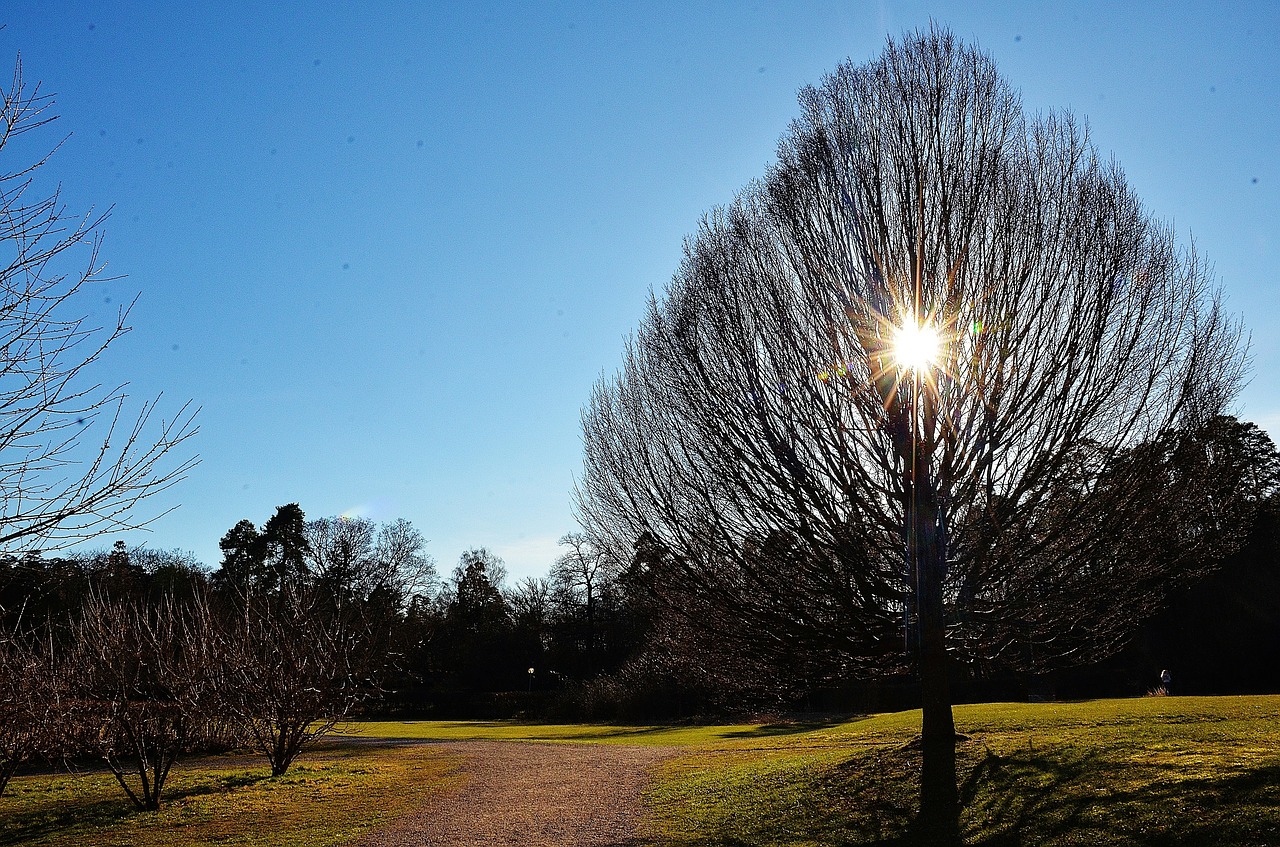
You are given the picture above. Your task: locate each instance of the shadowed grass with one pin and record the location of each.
(664, 736)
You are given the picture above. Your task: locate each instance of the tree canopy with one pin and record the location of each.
(1003, 491)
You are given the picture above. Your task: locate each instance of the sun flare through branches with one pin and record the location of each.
(916, 347)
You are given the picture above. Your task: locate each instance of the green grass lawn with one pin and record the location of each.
(1156, 771)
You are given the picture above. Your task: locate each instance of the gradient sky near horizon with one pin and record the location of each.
(388, 247)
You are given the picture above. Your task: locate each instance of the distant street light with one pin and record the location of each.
(530, 680)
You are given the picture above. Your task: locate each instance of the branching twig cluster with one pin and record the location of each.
(74, 461)
(765, 456)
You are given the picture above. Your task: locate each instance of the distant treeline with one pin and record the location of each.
(589, 641)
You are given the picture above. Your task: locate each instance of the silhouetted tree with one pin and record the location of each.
(242, 559)
(263, 561)
(418, 639)
(1219, 635)
(580, 576)
(365, 576)
(172, 573)
(475, 593)
(141, 572)
(73, 461)
(790, 463)
(530, 606)
(341, 557)
(477, 626)
(355, 559)
(284, 547)
(41, 593)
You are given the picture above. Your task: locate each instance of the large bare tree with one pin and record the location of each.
(920, 395)
(73, 460)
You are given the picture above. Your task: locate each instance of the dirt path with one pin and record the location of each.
(543, 795)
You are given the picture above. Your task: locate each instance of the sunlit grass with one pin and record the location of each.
(327, 798)
(1155, 771)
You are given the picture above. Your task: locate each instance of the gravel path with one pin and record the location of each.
(543, 795)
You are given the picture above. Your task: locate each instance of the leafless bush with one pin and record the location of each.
(149, 684)
(32, 708)
(294, 672)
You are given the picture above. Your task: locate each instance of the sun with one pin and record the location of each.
(916, 347)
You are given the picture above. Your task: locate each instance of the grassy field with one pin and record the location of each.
(1156, 771)
(327, 798)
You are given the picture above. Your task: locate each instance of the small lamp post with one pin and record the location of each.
(530, 680)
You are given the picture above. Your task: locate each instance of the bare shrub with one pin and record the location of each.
(32, 709)
(149, 685)
(294, 672)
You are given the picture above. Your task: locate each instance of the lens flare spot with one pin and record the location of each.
(916, 347)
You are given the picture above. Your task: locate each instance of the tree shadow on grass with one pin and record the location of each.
(219, 784)
(1026, 797)
(868, 799)
(1033, 799)
(1018, 799)
(47, 819)
(785, 728)
(29, 825)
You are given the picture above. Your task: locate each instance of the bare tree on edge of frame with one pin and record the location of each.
(1010, 492)
(32, 708)
(73, 462)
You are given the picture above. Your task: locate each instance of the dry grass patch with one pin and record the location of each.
(328, 798)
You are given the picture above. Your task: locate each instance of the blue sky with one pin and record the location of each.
(389, 247)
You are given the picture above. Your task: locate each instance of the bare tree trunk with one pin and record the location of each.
(939, 819)
(8, 767)
(939, 798)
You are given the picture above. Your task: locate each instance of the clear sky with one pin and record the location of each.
(389, 247)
